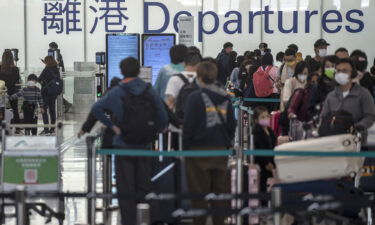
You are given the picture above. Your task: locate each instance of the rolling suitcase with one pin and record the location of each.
(300, 169)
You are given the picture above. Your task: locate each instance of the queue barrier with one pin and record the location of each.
(260, 100)
(221, 153)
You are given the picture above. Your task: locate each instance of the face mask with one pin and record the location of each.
(278, 64)
(329, 72)
(291, 64)
(31, 83)
(322, 52)
(262, 53)
(264, 122)
(361, 65)
(302, 77)
(342, 78)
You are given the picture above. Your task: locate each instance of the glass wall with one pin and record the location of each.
(79, 26)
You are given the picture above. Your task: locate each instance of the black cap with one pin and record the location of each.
(321, 42)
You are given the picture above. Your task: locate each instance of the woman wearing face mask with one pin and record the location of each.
(264, 138)
(350, 97)
(364, 78)
(247, 71)
(296, 82)
(298, 107)
(325, 85)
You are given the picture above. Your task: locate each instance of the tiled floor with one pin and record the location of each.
(74, 175)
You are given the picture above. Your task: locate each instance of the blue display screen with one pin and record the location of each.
(119, 47)
(155, 51)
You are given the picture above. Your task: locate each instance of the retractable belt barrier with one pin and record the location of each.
(261, 100)
(221, 153)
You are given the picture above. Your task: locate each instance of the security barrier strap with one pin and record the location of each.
(264, 100)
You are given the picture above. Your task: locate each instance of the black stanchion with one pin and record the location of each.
(20, 197)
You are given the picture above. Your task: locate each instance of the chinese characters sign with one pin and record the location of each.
(63, 16)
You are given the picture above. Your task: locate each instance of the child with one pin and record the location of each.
(32, 98)
(264, 138)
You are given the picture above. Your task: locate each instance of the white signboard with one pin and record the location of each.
(186, 30)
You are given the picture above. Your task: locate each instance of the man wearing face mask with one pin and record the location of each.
(326, 84)
(364, 78)
(350, 97)
(263, 48)
(320, 48)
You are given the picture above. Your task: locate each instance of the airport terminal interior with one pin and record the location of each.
(187, 112)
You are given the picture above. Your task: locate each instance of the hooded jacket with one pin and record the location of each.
(113, 102)
(359, 103)
(203, 128)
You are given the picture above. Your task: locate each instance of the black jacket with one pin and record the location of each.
(202, 125)
(319, 94)
(263, 141)
(47, 75)
(224, 66)
(368, 82)
(11, 80)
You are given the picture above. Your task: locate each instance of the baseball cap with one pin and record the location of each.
(321, 42)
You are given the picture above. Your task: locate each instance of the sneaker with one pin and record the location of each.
(44, 132)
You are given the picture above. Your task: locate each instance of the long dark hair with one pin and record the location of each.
(301, 66)
(7, 62)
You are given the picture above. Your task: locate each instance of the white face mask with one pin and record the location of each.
(322, 52)
(31, 83)
(342, 78)
(302, 77)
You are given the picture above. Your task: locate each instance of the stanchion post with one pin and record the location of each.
(21, 205)
(239, 153)
(143, 214)
(276, 201)
(91, 180)
(107, 186)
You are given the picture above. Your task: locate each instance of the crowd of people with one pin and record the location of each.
(194, 94)
(33, 96)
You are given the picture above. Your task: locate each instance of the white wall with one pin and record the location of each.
(72, 45)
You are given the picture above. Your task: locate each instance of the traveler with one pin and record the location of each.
(48, 76)
(10, 74)
(91, 121)
(298, 108)
(235, 77)
(326, 84)
(232, 61)
(286, 70)
(297, 81)
(138, 114)
(177, 54)
(264, 138)
(178, 81)
(294, 47)
(60, 61)
(263, 47)
(209, 123)
(364, 77)
(342, 53)
(350, 97)
(223, 62)
(320, 48)
(32, 98)
(279, 59)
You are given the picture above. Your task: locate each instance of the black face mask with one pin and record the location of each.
(361, 65)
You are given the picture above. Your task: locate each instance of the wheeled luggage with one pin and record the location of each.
(293, 169)
(275, 122)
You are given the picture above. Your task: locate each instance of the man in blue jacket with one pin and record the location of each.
(133, 174)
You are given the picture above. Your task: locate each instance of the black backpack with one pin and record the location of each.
(336, 123)
(185, 92)
(139, 118)
(54, 87)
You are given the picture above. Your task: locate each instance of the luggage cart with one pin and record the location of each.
(33, 162)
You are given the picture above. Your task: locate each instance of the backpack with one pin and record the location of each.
(54, 87)
(184, 94)
(336, 123)
(139, 118)
(263, 83)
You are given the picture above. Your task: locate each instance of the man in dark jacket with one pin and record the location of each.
(209, 123)
(133, 174)
(223, 62)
